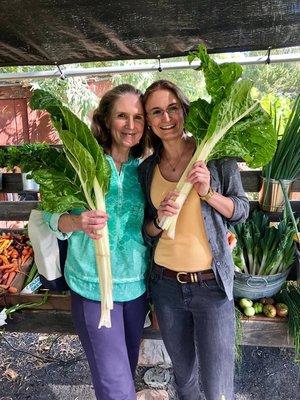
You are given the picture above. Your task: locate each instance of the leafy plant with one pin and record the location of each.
(290, 295)
(230, 125)
(85, 186)
(2, 158)
(264, 249)
(285, 163)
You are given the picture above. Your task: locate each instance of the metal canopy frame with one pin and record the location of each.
(104, 71)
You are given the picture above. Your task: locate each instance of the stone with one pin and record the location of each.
(151, 394)
(153, 352)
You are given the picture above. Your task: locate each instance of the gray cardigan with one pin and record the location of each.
(225, 179)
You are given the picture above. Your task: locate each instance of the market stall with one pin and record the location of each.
(78, 33)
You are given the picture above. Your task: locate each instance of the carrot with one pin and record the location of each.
(12, 289)
(7, 266)
(4, 259)
(25, 258)
(10, 278)
(4, 277)
(3, 287)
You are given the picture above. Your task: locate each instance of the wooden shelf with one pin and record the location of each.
(257, 331)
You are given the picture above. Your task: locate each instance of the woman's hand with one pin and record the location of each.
(92, 221)
(168, 207)
(232, 241)
(199, 176)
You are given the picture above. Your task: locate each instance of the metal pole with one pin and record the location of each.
(57, 73)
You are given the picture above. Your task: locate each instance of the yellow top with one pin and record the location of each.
(190, 250)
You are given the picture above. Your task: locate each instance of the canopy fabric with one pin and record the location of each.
(48, 32)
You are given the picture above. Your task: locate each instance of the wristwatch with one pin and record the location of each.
(208, 195)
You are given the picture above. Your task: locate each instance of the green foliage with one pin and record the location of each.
(265, 249)
(232, 124)
(62, 189)
(285, 163)
(279, 79)
(290, 295)
(2, 158)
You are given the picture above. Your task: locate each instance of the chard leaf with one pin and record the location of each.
(198, 118)
(58, 192)
(65, 120)
(219, 78)
(233, 124)
(82, 161)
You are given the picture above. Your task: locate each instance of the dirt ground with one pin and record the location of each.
(60, 371)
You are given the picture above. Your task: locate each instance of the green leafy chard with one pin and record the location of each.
(232, 124)
(85, 186)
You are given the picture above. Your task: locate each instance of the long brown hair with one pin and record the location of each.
(163, 84)
(102, 115)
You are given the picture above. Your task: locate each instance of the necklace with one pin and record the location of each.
(173, 167)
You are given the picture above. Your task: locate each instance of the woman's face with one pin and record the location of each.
(165, 115)
(127, 121)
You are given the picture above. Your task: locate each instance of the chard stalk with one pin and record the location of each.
(103, 263)
(201, 154)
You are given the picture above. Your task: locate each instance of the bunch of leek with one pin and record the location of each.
(230, 125)
(263, 249)
(285, 163)
(78, 178)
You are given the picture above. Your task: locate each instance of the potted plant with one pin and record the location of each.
(263, 256)
(27, 157)
(285, 164)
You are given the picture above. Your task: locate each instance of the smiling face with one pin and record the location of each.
(165, 115)
(127, 121)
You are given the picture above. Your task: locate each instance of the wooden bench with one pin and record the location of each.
(54, 316)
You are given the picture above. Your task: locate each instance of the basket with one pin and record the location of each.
(257, 286)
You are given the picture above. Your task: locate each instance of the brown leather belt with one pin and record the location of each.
(187, 277)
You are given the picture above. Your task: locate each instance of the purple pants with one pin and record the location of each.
(112, 353)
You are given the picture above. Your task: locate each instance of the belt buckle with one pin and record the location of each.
(178, 277)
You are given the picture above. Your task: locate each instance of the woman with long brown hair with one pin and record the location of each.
(191, 277)
(112, 353)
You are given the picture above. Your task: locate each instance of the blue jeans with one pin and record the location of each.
(112, 353)
(197, 324)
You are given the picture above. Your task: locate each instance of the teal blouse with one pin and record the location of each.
(129, 257)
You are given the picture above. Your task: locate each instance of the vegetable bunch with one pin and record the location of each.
(232, 124)
(15, 253)
(285, 163)
(263, 249)
(265, 306)
(77, 179)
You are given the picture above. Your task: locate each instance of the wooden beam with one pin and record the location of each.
(12, 183)
(257, 331)
(16, 210)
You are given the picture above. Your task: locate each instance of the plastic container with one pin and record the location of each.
(29, 185)
(257, 286)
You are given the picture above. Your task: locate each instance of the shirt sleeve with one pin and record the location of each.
(233, 188)
(51, 220)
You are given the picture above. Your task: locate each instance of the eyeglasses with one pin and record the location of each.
(171, 111)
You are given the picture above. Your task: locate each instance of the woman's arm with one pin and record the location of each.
(232, 203)
(88, 221)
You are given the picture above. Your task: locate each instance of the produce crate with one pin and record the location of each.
(19, 279)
